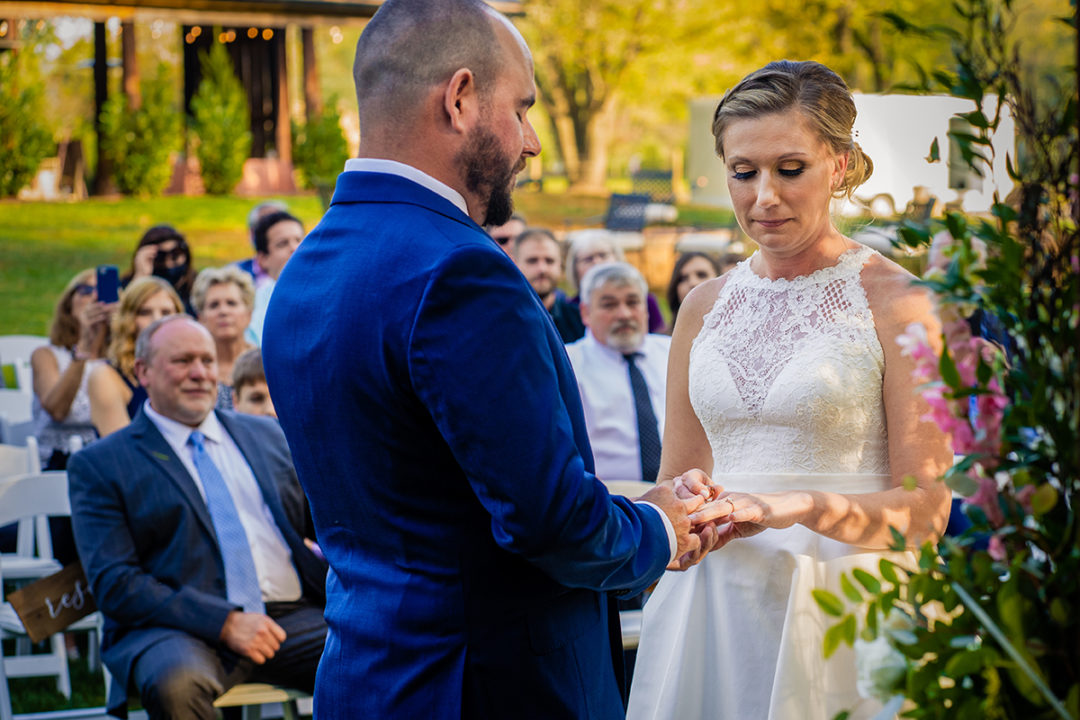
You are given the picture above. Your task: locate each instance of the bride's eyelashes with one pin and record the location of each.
(786, 172)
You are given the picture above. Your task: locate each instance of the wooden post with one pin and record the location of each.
(312, 95)
(283, 128)
(131, 65)
(103, 176)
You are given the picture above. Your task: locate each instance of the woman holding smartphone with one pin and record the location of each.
(78, 336)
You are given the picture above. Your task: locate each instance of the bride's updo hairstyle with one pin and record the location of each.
(814, 90)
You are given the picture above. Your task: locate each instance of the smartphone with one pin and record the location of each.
(108, 284)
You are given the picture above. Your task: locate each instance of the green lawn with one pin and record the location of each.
(42, 245)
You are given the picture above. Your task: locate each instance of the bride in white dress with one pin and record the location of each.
(786, 385)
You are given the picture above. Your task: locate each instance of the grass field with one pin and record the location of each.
(42, 245)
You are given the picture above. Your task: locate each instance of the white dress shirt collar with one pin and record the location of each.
(177, 433)
(592, 341)
(393, 167)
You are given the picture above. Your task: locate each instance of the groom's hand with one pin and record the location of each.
(677, 510)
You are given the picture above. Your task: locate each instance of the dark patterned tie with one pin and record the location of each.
(648, 430)
(241, 580)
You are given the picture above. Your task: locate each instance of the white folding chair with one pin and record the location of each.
(21, 497)
(33, 556)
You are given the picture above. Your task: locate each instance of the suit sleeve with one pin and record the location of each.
(483, 363)
(123, 591)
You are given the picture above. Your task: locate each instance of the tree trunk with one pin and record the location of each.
(103, 174)
(131, 65)
(312, 94)
(596, 149)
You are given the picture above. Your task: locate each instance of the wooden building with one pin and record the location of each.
(254, 32)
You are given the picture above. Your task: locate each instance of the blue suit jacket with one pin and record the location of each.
(437, 429)
(148, 544)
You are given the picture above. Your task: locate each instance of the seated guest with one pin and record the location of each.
(539, 258)
(187, 531)
(277, 236)
(250, 393)
(163, 252)
(505, 234)
(251, 265)
(114, 391)
(224, 298)
(621, 373)
(691, 269)
(78, 337)
(593, 249)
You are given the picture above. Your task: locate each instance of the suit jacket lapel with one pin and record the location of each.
(153, 444)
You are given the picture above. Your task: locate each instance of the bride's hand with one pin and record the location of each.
(695, 483)
(769, 510)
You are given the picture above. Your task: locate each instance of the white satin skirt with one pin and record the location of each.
(740, 636)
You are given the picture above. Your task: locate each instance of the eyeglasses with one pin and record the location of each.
(84, 289)
(502, 239)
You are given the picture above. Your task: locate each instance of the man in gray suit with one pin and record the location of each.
(188, 523)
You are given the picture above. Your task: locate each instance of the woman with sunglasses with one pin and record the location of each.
(163, 252)
(78, 337)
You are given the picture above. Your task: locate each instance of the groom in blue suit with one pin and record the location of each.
(432, 412)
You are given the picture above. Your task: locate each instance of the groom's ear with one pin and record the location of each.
(460, 101)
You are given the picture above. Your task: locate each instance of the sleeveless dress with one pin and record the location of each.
(53, 435)
(786, 379)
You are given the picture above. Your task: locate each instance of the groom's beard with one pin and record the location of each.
(489, 173)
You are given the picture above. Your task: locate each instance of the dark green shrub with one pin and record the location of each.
(140, 141)
(24, 141)
(221, 123)
(320, 151)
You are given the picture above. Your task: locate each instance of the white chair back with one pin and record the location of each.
(32, 495)
(19, 347)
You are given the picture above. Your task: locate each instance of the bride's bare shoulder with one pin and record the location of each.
(894, 296)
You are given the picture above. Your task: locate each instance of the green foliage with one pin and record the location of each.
(221, 123)
(140, 141)
(24, 141)
(320, 150)
(991, 624)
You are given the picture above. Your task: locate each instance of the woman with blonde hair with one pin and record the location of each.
(115, 393)
(786, 385)
(78, 336)
(224, 299)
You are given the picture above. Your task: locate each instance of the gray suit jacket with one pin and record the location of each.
(147, 542)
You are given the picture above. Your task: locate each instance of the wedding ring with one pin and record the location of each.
(731, 504)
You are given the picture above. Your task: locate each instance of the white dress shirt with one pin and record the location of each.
(273, 559)
(603, 378)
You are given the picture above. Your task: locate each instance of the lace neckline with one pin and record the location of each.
(845, 262)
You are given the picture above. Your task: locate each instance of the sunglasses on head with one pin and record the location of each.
(84, 289)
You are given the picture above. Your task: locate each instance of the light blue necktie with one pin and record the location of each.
(241, 580)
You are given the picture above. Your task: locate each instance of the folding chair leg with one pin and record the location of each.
(289, 710)
(5, 695)
(252, 712)
(58, 649)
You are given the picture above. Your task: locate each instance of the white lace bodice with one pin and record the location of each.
(785, 375)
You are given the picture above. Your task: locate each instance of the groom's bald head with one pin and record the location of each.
(412, 46)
